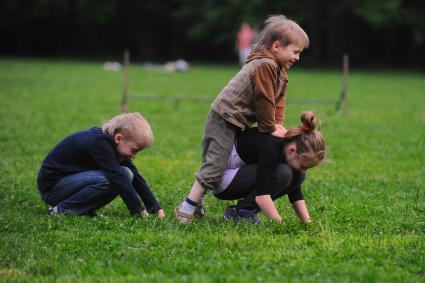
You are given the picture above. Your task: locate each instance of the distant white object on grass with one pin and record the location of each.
(180, 65)
(112, 66)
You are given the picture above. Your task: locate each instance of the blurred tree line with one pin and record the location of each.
(374, 33)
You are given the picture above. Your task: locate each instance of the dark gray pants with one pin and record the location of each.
(243, 187)
(217, 143)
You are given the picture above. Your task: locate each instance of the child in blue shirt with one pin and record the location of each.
(88, 169)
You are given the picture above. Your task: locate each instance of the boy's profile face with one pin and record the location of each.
(286, 56)
(126, 148)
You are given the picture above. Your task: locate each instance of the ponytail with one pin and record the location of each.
(309, 141)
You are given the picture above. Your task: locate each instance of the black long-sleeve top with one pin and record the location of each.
(94, 150)
(265, 150)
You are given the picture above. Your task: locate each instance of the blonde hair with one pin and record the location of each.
(309, 141)
(133, 126)
(286, 31)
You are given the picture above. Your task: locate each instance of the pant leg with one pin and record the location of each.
(242, 184)
(217, 143)
(281, 182)
(103, 197)
(91, 190)
(71, 185)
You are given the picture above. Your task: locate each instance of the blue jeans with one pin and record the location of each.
(83, 193)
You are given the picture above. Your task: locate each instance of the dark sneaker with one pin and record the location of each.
(199, 211)
(248, 215)
(231, 212)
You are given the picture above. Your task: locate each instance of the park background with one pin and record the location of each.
(367, 202)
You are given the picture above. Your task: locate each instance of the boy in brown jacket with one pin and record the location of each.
(255, 94)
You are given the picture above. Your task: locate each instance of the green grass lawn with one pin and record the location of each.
(367, 203)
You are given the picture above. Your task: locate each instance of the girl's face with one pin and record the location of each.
(126, 147)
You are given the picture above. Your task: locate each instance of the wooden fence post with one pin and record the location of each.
(124, 101)
(345, 84)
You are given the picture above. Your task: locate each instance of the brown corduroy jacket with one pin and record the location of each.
(255, 94)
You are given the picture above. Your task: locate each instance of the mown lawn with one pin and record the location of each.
(367, 202)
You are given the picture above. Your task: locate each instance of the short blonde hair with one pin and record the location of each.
(132, 126)
(279, 28)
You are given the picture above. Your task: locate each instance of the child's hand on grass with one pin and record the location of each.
(160, 213)
(144, 214)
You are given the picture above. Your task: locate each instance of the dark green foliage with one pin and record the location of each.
(388, 32)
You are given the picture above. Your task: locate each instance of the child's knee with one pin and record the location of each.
(100, 180)
(209, 181)
(211, 172)
(284, 175)
(128, 173)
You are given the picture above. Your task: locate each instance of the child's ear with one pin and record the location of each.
(118, 137)
(292, 148)
(276, 45)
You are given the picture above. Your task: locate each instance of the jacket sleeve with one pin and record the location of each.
(103, 154)
(143, 189)
(265, 77)
(281, 101)
(280, 110)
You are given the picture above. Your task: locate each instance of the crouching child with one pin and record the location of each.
(88, 169)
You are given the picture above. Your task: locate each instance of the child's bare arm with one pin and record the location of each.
(266, 204)
(301, 209)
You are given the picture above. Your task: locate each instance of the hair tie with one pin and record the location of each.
(306, 128)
